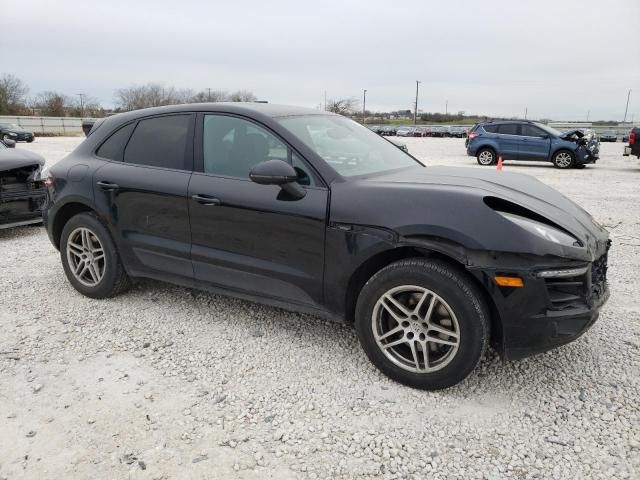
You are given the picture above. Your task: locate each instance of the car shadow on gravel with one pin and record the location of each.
(259, 323)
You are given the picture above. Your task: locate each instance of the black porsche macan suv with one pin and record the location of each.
(313, 212)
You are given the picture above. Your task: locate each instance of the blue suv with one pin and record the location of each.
(524, 140)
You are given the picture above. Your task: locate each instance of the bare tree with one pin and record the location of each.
(12, 94)
(343, 106)
(52, 104)
(243, 96)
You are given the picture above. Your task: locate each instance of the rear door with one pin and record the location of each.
(142, 192)
(509, 140)
(251, 238)
(534, 143)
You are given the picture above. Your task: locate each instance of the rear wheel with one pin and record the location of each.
(486, 156)
(563, 159)
(90, 259)
(423, 323)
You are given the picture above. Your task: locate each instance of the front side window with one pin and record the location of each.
(347, 146)
(508, 129)
(232, 146)
(531, 131)
(490, 128)
(159, 142)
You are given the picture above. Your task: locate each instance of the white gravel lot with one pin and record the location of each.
(167, 382)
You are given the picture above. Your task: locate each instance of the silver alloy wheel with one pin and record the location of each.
(415, 329)
(485, 157)
(563, 160)
(85, 256)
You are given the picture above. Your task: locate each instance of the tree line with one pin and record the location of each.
(14, 99)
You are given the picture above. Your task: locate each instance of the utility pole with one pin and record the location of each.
(446, 107)
(209, 94)
(325, 100)
(81, 95)
(588, 112)
(626, 109)
(364, 103)
(415, 113)
(526, 110)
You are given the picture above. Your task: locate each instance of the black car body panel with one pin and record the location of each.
(313, 254)
(22, 193)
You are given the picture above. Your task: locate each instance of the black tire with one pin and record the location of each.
(30, 140)
(453, 286)
(486, 156)
(559, 159)
(114, 280)
(579, 166)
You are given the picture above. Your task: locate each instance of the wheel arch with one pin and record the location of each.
(451, 254)
(63, 215)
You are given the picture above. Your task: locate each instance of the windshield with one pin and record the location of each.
(9, 125)
(347, 146)
(549, 129)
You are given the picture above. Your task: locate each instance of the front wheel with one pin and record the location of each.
(90, 259)
(563, 159)
(423, 323)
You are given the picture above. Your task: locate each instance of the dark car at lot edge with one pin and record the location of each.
(22, 192)
(609, 136)
(16, 133)
(532, 141)
(312, 212)
(634, 143)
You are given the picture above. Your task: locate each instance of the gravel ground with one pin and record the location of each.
(167, 382)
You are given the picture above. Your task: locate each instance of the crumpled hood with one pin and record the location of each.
(568, 134)
(518, 188)
(14, 158)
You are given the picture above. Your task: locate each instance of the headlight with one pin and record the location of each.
(541, 230)
(11, 134)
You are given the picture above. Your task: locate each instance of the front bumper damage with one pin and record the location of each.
(557, 304)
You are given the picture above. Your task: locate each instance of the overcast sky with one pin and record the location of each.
(558, 58)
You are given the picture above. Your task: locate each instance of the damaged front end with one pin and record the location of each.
(587, 146)
(22, 191)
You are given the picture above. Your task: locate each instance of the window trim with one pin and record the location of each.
(542, 132)
(198, 150)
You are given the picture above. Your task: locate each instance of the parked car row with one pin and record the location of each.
(422, 131)
(612, 136)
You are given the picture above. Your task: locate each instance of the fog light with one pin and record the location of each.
(509, 281)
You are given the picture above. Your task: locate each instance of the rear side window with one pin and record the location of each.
(159, 142)
(508, 129)
(113, 147)
(490, 128)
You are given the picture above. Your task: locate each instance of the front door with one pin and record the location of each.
(142, 192)
(252, 238)
(534, 143)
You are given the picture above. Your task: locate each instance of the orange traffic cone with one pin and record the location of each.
(499, 163)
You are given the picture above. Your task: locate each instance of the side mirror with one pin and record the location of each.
(9, 143)
(278, 172)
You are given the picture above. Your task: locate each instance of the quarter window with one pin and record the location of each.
(159, 142)
(113, 147)
(508, 129)
(233, 146)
